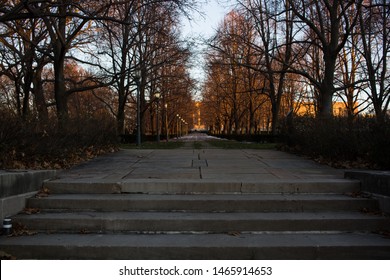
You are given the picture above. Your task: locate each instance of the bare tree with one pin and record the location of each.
(374, 19)
(273, 23)
(233, 77)
(225, 57)
(139, 45)
(22, 61)
(68, 24)
(327, 26)
(350, 77)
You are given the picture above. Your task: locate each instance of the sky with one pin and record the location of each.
(203, 27)
(214, 12)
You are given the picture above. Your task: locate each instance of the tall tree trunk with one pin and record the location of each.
(26, 91)
(60, 92)
(120, 118)
(325, 105)
(326, 89)
(120, 115)
(40, 103)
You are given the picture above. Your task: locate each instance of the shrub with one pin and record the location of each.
(339, 140)
(30, 144)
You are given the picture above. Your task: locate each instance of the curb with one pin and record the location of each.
(375, 182)
(16, 186)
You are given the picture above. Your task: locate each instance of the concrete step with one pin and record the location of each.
(200, 219)
(157, 222)
(203, 202)
(276, 246)
(161, 186)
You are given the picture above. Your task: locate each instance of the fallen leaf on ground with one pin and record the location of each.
(30, 211)
(6, 256)
(20, 230)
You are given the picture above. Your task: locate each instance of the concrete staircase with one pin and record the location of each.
(165, 219)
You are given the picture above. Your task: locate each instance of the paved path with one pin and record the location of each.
(201, 204)
(200, 164)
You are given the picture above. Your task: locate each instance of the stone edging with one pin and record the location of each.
(376, 183)
(18, 185)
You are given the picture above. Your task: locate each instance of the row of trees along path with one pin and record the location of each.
(265, 57)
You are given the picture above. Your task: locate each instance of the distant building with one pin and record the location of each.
(308, 108)
(198, 126)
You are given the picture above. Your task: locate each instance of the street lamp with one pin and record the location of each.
(166, 121)
(177, 126)
(157, 96)
(181, 126)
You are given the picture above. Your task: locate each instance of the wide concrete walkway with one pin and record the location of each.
(200, 204)
(209, 164)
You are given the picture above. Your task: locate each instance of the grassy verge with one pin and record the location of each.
(154, 145)
(228, 144)
(198, 145)
(219, 144)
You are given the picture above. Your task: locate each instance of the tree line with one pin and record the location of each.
(267, 57)
(69, 59)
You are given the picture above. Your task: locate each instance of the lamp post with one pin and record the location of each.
(166, 121)
(157, 96)
(182, 127)
(137, 81)
(177, 126)
(185, 127)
